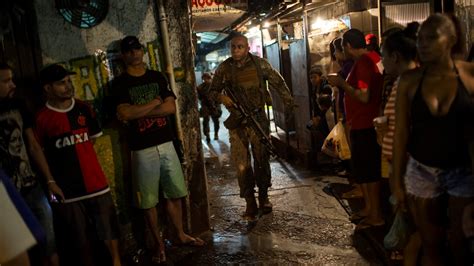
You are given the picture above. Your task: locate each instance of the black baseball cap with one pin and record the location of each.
(129, 43)
(54, 73)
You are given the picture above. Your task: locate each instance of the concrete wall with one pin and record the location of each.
(465, 12)
(60, 41)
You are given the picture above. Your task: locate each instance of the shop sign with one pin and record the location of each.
(211, 7)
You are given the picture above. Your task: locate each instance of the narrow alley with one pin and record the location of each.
(308, 226)
(350, 123)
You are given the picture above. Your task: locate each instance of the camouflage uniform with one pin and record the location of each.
(209, 108)
(248, 86)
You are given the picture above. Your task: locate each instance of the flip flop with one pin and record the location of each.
(194, 242)
(355, 217)
(352, 195)
(161, 258)
(364, 225)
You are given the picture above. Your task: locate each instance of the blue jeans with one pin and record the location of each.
(39, 205)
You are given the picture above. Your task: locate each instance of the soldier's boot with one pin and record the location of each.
(208, 139)
(251, 209)
(216, 136)
(263, 202)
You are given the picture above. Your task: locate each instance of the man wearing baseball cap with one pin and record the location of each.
(145, 103)
(65, 128)
(19, 152)
(130, 43)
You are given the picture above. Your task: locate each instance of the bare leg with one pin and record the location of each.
(429, 216)
(457, 240)
(112, 246)
(373, 195)
(173, 206)
(412, 250)
(365, 192)
(151, 216)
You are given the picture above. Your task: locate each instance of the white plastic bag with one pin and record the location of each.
(335, 144)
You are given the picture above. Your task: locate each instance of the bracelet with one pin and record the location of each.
(50, 182)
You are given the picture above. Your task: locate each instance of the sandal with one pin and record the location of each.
(364, 224)
(161, 258)
(353, 194)
(356, 217)
(193, 242)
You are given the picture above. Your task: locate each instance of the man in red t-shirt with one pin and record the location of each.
(362, 103)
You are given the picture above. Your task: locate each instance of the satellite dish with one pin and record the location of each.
(83, 13)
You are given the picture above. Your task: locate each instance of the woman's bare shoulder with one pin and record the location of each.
(466, 67)
(466, 73)
(410, 78)
(412, 74)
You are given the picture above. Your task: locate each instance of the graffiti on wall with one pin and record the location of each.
(94, 72)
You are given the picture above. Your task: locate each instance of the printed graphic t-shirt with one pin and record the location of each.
(146, 131)
(66, 137)
(14, 159)
(365, 74)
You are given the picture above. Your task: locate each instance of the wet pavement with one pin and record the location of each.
(308, 225)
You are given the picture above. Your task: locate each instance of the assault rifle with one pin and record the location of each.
(240, 116)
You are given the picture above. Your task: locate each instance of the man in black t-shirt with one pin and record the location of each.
(145, 103)
(17, 146)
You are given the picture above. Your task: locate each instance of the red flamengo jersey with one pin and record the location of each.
(66, 137)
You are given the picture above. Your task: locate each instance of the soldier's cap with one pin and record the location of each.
(206, 75)
(315, 70)
(130, 43)
(54, 72)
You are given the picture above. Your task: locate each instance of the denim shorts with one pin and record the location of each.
(156, 167)
(430, 182)
(35, 198)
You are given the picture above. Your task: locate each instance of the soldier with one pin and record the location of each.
(209, 108)
(246, 74)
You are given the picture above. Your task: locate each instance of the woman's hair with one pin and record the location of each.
(337, 43)
(332, 50)
(403, 42)
(5, 66)
(449, 25)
